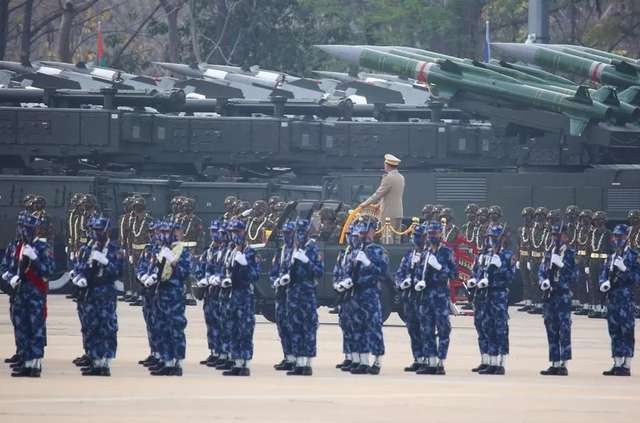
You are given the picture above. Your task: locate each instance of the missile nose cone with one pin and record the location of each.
(349, 54)
(523, 52)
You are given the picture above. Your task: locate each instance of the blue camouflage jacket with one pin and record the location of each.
(243, 277)
(631, 276)
(340, 269)
(369, 276)
(410, 266)
(439, 278)
(100, 275)
(210, 262)
(559, 278)
(499, 278)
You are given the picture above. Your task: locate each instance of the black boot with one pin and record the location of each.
(82, 361)
(440, 370)
(208, 360)
(17, 364)
(361, 369)
(155, 367)
(617, 371)
(492, 370)
(413, 367)
(237, 371)
(284, 365)
(97, 371)
(212, 362)
(426, 370)
(13, 359)
(345, 363)
(301, 371)
(226, 365)
(374, 370)
(168, 371)
(26, 372)
(147, 360)
(525, 308)
(480, 368)
(347, 368)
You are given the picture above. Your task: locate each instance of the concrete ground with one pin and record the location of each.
(330, 396)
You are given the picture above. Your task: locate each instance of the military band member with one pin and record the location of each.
(139, 239)
(583, 256)
(529, 283)
(557, 275)
(539, 235)
(428, 213)
(124, 232)
(257, 222)
(450, 232)
(600, 247)
(7, 266)
(230, 203)
(345, 300)
(469, 227)
(482, 224)
(620, 275)
(633, 218)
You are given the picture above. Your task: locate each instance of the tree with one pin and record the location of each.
(69, 12)
(25, 40)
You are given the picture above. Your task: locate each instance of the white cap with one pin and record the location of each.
(392, 160)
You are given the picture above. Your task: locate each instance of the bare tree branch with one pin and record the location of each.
(116, 58)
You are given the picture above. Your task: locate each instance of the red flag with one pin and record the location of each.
(101, 59)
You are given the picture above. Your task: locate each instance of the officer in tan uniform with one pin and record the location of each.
(139, 239)
(388, 197)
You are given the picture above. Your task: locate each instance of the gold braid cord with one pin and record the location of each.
(364, 212)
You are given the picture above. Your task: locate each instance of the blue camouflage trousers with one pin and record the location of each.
(496, 323)
(410, 306)
(12, 316)
(366, 320)
(557, 321)
(84, 309)
(224, 301)
(281, 321)
(479, 317)
(30, 320)
(346, 324)
(102, 324)
(434, 316)
(241, 323)
(211, 308)
(171, 320)
(149, 314)
(302, 318)
(621, 321)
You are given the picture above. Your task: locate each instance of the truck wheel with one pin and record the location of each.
(269, 312)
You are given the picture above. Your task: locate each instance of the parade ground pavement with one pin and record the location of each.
(330, 396)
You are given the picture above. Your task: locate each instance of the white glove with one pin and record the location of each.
(14, 281)
(276, 283)
(495, 261)
(420, 286)
(347, 283)
(202, 283)
(338, 287)
(605, 286)
(415, 258)
(619, 263)
(472, 283)
(75, 279)
(362, 258)
(72, 274)
(226, 283)
(7, 275)
(240, 258)
(130, 259)
(168, 255)
(143, 279)
(529, 266)
(99, 257)
(433, 262)
(29, 251)
(285, 279)
(405, 284)
(72, 256)
(557, 260)
(214, 280)
(81, 282)
(545, 285)
(300, 255)
(586, 271)
(151, 280)
(483, 283)
(517, 265)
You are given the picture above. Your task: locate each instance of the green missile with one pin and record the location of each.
(586, 55)
(623, 112)
(596, 52)
(446, 79)
(621, 75)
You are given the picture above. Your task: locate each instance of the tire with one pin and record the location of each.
(269, 312)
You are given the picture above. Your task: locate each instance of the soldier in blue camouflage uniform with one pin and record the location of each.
(8, 263)
(367, 271)
(32, 264)
(224, 361)
(340, 273)
(208, 274)
(493, 273)
(147, 275)
(279, 268)
(433, 297)
(97, 270)
(174, 267)
(242, 274)
(300, 282)
(407, 275)
(620, 275)
(557, 274)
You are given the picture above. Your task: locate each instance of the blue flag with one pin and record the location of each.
(487, 43)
